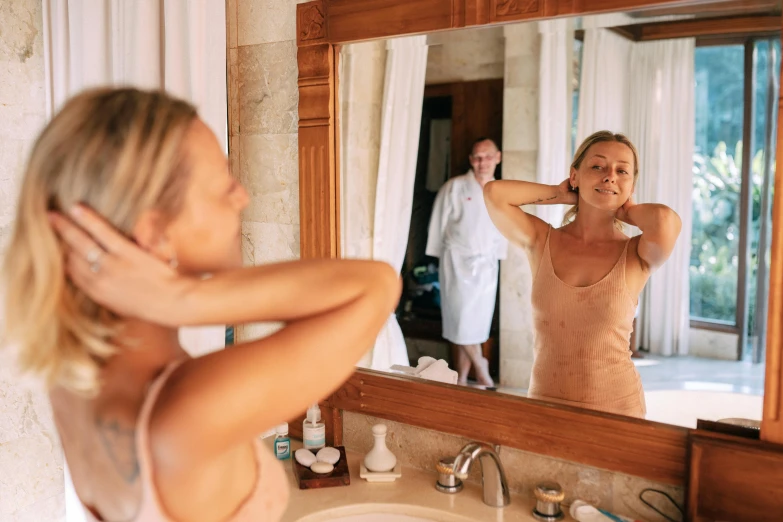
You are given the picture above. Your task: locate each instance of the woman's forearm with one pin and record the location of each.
(519, 193)
(660, 228)
(648, 217)
(284, 291)
(505, 198)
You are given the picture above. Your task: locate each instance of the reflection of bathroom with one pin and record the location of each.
(477, 78)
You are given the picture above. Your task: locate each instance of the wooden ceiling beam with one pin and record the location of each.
(735, 26)
(714, 8)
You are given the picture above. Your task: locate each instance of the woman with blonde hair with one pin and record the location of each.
(126, 204)
(587, 274)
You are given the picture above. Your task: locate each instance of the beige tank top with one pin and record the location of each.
(265, 504)
(582, 354)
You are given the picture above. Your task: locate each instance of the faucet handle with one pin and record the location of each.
(549, 495)
(445, 466)
(447, 482)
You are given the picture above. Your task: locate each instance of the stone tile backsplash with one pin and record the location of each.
(422, 448)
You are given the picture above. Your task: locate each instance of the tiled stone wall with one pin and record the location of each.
(31, 462)
(465, 55)
(263, 146)
(520, 154)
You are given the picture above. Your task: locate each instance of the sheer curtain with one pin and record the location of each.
(554, 123)
(175, 45)
(604, 84)
(406, 66)
(661, 124)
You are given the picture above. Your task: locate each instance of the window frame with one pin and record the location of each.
(741, 322)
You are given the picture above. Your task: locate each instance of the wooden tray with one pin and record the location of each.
(308, 479)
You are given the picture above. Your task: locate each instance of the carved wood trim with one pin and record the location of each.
(317, 152)
(503, 10)
(311, 22)
(344, 21)
(477, 12)
(354, 20)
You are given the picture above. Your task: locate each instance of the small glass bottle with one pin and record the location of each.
(282, 442)
(313, 430)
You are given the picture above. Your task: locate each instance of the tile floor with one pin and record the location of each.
(680, 390)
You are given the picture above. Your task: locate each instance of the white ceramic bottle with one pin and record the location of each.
(380, 459)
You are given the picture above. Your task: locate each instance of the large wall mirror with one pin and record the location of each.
(695, 89)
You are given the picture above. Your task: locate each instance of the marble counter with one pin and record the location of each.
(415, 488)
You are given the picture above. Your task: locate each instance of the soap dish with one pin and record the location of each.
(380, 476)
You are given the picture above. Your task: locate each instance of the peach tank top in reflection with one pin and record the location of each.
(266, 503)
(582, 354)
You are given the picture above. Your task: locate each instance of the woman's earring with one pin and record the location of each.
(173, 263)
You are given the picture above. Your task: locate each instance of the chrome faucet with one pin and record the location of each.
(493, 477)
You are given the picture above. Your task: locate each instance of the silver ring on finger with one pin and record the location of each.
(94, 258)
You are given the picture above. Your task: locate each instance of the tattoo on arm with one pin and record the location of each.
(540, 200)
(120, 445)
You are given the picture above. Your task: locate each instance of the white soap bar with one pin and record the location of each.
(330, 455)
(322, 467)
(305, 457)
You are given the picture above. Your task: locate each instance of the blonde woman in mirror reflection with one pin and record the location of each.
(587, 274)
(126, 203)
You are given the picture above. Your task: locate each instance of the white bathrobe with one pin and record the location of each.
(469, 246)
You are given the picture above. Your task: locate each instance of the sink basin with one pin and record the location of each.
(383, 513)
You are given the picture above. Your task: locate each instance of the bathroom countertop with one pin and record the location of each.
(414, 488)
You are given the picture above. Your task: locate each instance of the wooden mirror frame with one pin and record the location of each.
(638, 447)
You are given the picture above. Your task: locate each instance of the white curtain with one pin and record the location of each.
(661, 124)
(406, 66)
(176, 45)
(554, 123)
(604, 83)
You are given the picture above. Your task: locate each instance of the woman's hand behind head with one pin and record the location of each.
(116, 273)
(568, 194)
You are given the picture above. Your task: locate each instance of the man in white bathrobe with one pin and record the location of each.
(469, 246)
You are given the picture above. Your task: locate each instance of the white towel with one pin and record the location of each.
(435, 370)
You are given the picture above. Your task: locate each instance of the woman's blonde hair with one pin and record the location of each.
(581, 152)
(120, 152)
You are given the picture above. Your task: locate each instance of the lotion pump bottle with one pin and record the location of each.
(313, 430)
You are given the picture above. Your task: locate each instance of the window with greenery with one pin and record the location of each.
(722, 240)
(717, 173)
